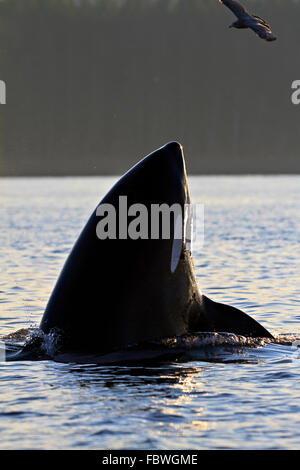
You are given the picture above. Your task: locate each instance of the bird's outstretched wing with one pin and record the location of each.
(261, 28)
(261, 20)
(235, 7)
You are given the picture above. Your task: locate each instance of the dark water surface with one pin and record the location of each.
(223, 391)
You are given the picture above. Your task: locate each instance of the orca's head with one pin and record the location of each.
(160, 177)
(169, 157)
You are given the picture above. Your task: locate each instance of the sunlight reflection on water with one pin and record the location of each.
(250, 259)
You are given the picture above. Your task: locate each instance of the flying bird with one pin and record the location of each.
(245, 20)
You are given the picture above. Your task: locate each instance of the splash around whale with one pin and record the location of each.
(129, 287)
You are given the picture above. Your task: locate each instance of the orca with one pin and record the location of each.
(122, 291)
(117, 292)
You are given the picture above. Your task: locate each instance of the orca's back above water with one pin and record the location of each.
(119, 291)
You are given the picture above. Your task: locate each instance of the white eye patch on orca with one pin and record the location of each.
(188, 226)
(177, 243)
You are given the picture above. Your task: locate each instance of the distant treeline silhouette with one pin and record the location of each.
(93, 85)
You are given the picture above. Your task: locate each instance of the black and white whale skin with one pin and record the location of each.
(117, 292)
